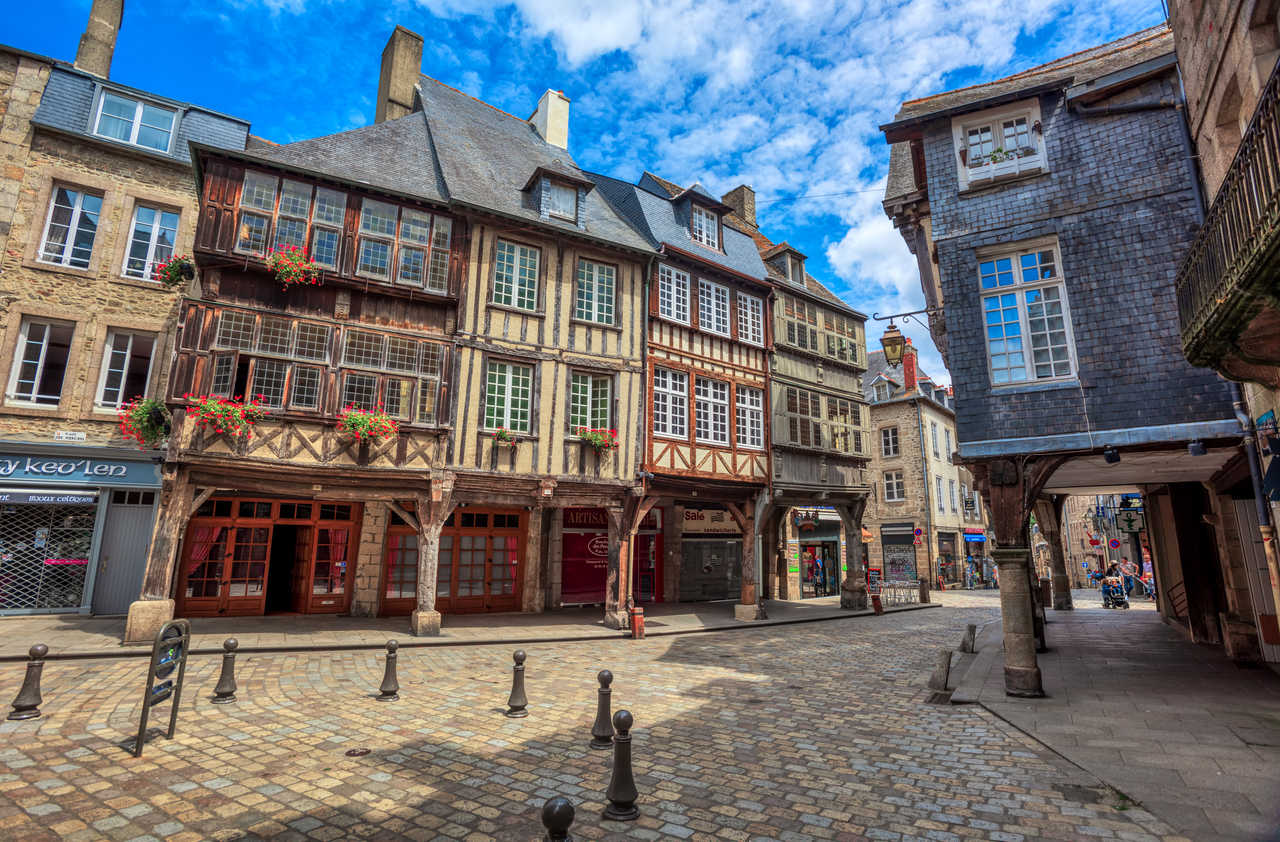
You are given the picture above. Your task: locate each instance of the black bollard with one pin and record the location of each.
(517, 703)
(390, 689)
(622, 784)
(557, 816)
(26, 705)
(602, 728)
(225, 692)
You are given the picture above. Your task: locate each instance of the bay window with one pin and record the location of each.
(670, 403)
(711, 411)
(1025, 311)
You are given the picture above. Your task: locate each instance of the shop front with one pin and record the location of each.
(975, 547)
(75, 524)
(647, 556)
(251, 556)
(949, 567)
(584, 558)
(818, 539)
(898, 545)
(710, 556)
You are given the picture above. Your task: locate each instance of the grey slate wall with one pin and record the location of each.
(1118, 197)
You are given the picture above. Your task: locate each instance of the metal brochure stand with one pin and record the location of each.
(169, 653)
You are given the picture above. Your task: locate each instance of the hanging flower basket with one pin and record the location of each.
(367, 425)
(145, 421)
(292, 267)
(504, 436)
(175, 271)
(229, 416)
(602, 440)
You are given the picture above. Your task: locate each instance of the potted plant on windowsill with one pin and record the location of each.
(504, 437)
(175, 271)
(292, 267)
(366, 425)
(145, 421)
(602, 441)
(231, 417)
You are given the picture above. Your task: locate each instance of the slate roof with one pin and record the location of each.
(877, 367)
(902, 174)
(486, 156)
(395, 155)
(654, 216)
(1076, 67)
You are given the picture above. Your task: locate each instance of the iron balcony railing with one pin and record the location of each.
(1217, 278)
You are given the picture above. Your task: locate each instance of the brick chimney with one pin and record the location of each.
(98, 42)
(401, 66)
(551, 119)
(910, 371)
(743, 201)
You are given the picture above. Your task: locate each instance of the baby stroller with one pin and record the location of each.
(1113, 595)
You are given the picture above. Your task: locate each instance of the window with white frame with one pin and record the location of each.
(711, 410)
(895, 489)
(126, 367)
(593, 298)
(673, 294)
(562, 200)
(933, 431)
(515, 275)
(947, 434)
(942, 505)
(750, 319)
(1025, 311)
(889, 441)
(670, 403)
(713, 307)
(134, 121)
(750, 411)
(71, 227)
(964, 498)
(40, 362)
(151, 241)
(999, 143)
(951, 487)
(705, 227)
(508, 397)
(882, 391)
(590, 401)
(804, 417)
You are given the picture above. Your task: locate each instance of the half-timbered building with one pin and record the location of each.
(706, 457)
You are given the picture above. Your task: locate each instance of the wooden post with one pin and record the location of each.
(432, 511)
(749, 607)
(1049, 516)
(853, 588)
(617, 586)
(155, 606)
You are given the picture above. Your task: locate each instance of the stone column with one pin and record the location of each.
(853, 590)
(1021, 672)
(1049, 516)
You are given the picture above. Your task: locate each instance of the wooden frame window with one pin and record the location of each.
(673, 294)
(328, 215)
(71, 227)
(594, 296)
(801, 319)
(126, 367)
(40, 362)
(562, 200)
(670, 403)
(1024, 308)
(515, 275)
(711, 411)
(704, 226)
(895, 489)
(293, 213)
(508, 398)
(590, 401)
(257, 204)
(749, 404)
(889, 442)
(713, 307)
(377, 239)
(750, 319)
(843, 416)
(152, 236)
(804, 417)
(134, 121)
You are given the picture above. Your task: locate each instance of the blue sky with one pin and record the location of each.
(784, 95)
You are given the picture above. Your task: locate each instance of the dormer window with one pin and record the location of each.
(795, 270)
(705, 227)
(134, 122)
(562, 200)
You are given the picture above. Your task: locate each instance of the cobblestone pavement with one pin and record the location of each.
(809, 732)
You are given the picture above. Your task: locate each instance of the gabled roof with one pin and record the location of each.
(1076, 67)
(486, 156)
(655, 216)
(656, 184)
(879, 369)
(395, 155)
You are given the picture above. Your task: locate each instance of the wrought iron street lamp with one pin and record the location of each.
(893, 342)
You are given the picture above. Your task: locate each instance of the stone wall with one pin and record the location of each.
(369, 555)
(22, 80)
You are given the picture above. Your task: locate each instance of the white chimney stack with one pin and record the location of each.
(551, 120)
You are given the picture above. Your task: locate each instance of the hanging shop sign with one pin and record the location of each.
(26, 468)
(1131, 521)
(806, 520)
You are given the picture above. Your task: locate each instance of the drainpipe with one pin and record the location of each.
(1259, 496)
(928, 504)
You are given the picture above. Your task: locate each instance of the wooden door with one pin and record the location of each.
(330, 570)
(301, 577)
(480, 563)
(400, 572)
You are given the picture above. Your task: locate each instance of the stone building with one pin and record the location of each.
(918, 485)
(475, 288)
(1049, 258)
(95, 193)
(811, 517)
(1230, 320)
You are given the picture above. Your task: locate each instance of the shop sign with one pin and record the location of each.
(24, 468)
(74, 498)
(585, 518)
(974, 538)
(805, 520)
(68, 435)
(708, 520)
(1131, 521)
